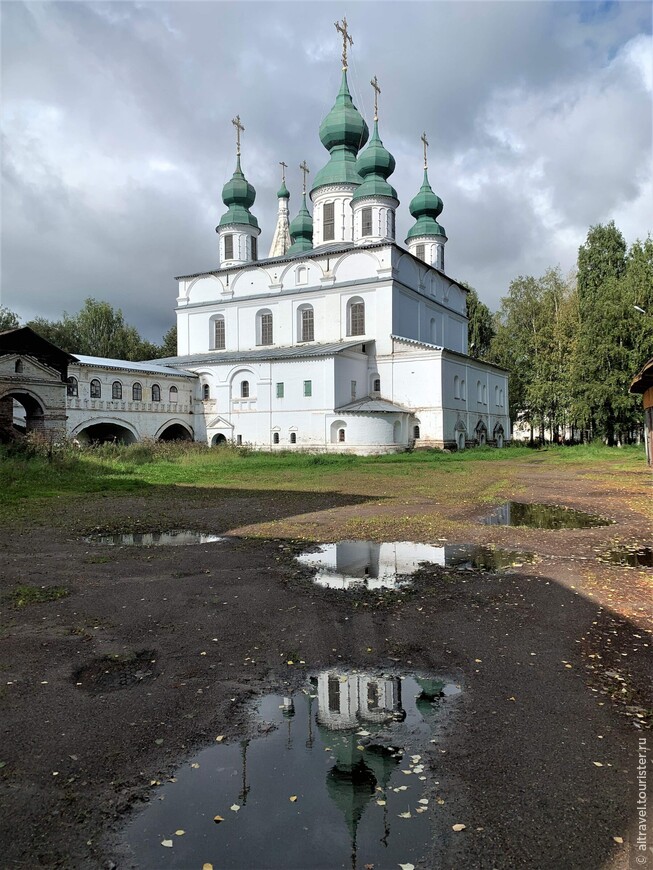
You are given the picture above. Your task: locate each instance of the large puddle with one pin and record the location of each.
(634, 557)
(339, 780)
(542, 516)
(181, 538)
(368, 565)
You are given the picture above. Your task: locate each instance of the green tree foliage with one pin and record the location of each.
(8, 320)
(602, 257)
(169, 345)
(481, 326)
(97, 330)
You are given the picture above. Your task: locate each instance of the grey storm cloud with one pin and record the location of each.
(117, 137)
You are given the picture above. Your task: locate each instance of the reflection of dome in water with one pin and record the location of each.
(351, 789)
(432, 690)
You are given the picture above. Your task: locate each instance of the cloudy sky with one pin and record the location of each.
(117, 136)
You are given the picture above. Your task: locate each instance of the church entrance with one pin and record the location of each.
(219, 440)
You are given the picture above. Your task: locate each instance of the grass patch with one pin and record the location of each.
(24, 595)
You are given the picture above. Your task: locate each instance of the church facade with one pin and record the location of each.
(341, 339)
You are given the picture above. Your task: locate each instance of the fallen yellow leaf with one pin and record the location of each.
(180, 833)
(292, 798)
(458, 827)
(207, 866)
(618, 839)
(167, 843)
(218, 819)
(220, 738)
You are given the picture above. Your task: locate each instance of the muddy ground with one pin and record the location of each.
(539, 761)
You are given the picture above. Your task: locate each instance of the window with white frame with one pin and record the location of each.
(72, 388)
(419, 251)
(356, 317)
(306, 323)
(229, 247)
(280, 390)
(328, 222)
(116, 390)
(308, 388)
(156, 393)
(366, 222)
(96, 389)
(219, 333)
(137, 392)
(173, 394)
(254, 248)
(264, 328)
(244, 389)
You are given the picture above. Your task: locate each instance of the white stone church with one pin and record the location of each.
(340, 340)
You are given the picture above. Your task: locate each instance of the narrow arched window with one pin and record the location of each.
(416, 432)
(72, 387)
(376, 386)
(484, 394)
(293, 438)
(137, 392)
(356, 320)
(229, 247)
(264, 328)
(244, 389)
(116, 390)
(328, 222)
(206, 392)
(307, 330)
(496, 395)
(366, 222)
(463, 389)
(219, 334)
(174, 394)
(156, 393)
(275, 437)
(254, 248)
(479, 394)
(501, 398)
(96, 389)
(456, 387)
(18, 368)
(301, 275)
(391, 223)
(341, 435)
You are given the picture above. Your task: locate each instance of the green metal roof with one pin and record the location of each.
(375, 164)
(301, 230)
(343, 132)
(238, 195)
(425, 207)
(283, 192)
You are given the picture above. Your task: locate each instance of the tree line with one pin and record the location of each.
(97, 330)
(572, 344)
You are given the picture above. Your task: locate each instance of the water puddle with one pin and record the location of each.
(176, 538)
(369, 565)
(635, 557)
(339, 779)
(542, 516)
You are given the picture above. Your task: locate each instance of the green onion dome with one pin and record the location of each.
(301, 231)
(283, 192)
(375, 164)
(343, 133)
(238, 195)
(425, 208)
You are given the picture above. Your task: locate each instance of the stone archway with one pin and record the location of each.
(175, 432)
(219, 440)
(105, 432)
(20, 413)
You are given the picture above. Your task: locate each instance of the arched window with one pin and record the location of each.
(18, 368)
(341, 435)
(206, 392)
(479, 393)
(306, 323)
(275, 437)
(137, 392)
(416, 432)
(301, 275)
(72, 387)
(376, 385)
(501, 398)
(328, 222)
(456, 387)
(254, 248)
(356, 317)
(293, 438)
(244, 389)
(156, 393)
(366, 221)
(96, 389)
(174, 394)
(463, 389)
(219, 333)
(264, 332)
(496, 395)
(484, 394)
(116, 390)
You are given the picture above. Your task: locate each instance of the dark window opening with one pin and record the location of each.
(72, 387)
(219, 334)
(96, 389)
(206, 392)
(156, 393)
(229, 247)
(293, 438)
(415, 432)
(137, 393)
(244, 390)
(116, 390)
(328, 219)
(18, 368)
(173, 394)
(308, 325)
(254, 248)
(366, 222)
(341, 435)
(357, 319)
(334, 694)
(275, 438)
(377, 385)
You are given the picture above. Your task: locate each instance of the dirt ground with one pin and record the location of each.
(554, 658)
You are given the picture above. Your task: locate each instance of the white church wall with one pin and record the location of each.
(350, 369)
(207, 288)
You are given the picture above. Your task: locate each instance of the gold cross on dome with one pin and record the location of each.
(304, 168)
(283, 166)
(346, 38)
(377, 91)
(239, 129)
(425, 141)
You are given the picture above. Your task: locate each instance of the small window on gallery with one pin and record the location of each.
(96, 389)
(229, 247)
(219, 334)
(137, 392)
(308, 388)
(275, 437)
(72, 387)
(280, 391)
(244, 389)
(116, 390)
(206, 392)
(366, 222)
(293, 438)
(328, 220)
(156, 393)
(174, 392)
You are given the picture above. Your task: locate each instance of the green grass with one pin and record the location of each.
(24, 595)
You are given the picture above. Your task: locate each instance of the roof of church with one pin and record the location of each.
(367, 404)
(262, 353)
(154, 367)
